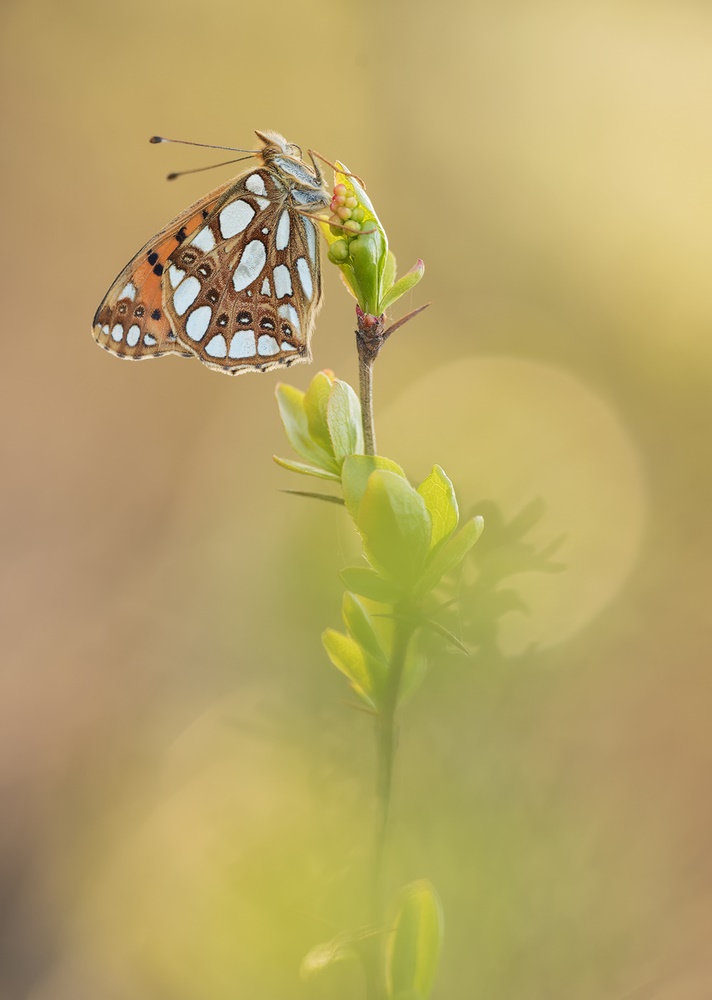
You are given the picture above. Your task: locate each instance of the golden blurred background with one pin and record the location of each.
(185, 792)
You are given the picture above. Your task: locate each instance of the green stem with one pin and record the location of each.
(365, 382)
(386, 747)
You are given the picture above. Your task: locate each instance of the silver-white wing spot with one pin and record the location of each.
(175, 275)
(289, 313)
(305, 278)
(205, 240)
(149, 341)
(265, 290)
(255, 184)
(235, 217)
(263, 203)
(243, 344)
(185, 295)
(282, 281)
(310, 230)
(217, 347)
(105, 329)
(133, 335)
(267, 345)
(128, 291)
(117, 333)
(253, 259)
(287, 347)
(198, 322)
(281, 239)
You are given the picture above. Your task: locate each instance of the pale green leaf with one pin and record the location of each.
(294, 418)
(305, 470)
(415, 942)
(395, 527)
(316, 401)
(450, 554)
(343, 418)
(366, 582)
(409, 280)
(439, 496)
(354, 477)
(363, 672)
(360, 627)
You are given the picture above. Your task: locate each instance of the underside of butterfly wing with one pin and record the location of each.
(243, 293)
(131, 322)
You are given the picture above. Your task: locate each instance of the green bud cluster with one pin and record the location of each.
(358, 245)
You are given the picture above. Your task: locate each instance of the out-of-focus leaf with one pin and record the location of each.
(354, 477)
(440, 499)
(358, 622)
(450, 553)
(305, 470)
(414, 944)
(316, 400)
(403, 285)
(363, 671)
(395, 527)
(366, 582)
(294, 418)
(328, 497)
(343, 417)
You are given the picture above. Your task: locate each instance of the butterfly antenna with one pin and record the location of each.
(199, 170)
(205, 145)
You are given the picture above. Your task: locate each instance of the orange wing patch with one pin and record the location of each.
(130, 322)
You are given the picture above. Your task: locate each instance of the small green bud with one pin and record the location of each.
(338, 252)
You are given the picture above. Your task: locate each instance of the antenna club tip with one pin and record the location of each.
(156, 138)
(171, 177)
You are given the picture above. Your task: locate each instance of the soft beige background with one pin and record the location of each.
(184, 792)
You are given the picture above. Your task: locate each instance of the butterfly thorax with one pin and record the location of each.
(304, 184)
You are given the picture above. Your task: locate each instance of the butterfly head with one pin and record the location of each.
(275, 144)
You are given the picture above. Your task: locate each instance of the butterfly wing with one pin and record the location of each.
(131, 322)
(243, 293)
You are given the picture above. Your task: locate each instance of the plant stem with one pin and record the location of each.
(365, 382)
(369, 340)
(386, 746)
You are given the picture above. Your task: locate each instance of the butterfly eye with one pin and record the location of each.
(245, 318)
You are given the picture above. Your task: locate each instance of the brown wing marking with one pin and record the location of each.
(265, 324)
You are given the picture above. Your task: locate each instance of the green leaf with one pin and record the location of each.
(440, 499)
(364, 672)
(354, 477)
(389, 273)
(328, 497)
(294, 418)
(305, 470)
(395, 527)
(366, 582)
(414, 943)
(450, 553)
(358, 622)
(367, 257)
(343, 417)
(316, 400)
(403, 285)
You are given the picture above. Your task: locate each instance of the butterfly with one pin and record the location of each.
(234, 280)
